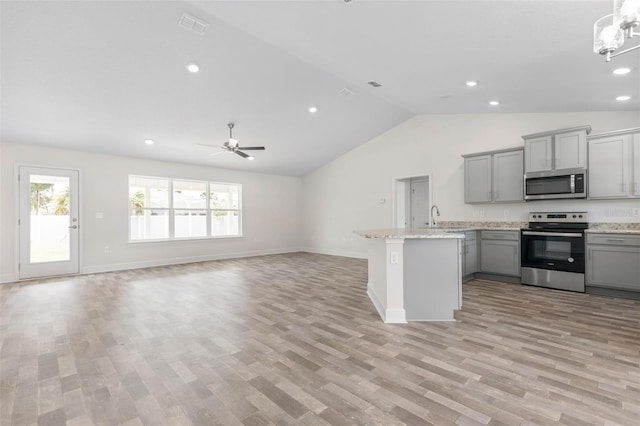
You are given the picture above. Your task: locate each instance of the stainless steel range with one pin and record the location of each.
(553, 248)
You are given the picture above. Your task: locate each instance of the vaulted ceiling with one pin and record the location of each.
(104, 76)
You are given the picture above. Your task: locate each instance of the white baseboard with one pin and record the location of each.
(389, 316)
(353, 254)
(13, 277)
(8, 278)
(181, 260)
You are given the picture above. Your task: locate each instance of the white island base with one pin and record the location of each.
(415, 276)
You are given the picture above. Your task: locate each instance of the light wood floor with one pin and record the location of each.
(294, 340)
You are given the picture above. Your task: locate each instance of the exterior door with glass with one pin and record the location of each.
(48, 221)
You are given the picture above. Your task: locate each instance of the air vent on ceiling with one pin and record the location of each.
(374, 84)
(346, 92)
(193, 24)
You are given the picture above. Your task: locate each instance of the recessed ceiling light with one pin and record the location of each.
(494, 103)
(193, 67)
(471, 83)
(313, 109)
(251, 158)
(149, 141)
(623, 98)
(622, 71)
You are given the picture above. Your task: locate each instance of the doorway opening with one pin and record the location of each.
(412, 201)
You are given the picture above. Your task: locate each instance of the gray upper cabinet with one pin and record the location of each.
(614, 164)
(508, 176)
(556, 150)
(495, 176)
(537, 154)
(477, 179)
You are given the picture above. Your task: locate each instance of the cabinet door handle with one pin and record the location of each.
(624, 188)
(589, 253)
(615, 240)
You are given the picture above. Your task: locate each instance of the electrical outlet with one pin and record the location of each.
(107, 249)
(394, 257)
(506, 212)
(636, 212)
(481, 213)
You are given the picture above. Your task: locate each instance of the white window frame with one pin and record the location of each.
(171, 211)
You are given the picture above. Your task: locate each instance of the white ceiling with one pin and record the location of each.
(104, 76)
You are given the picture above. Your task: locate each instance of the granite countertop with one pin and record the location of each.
(482, 226)
(411, 233)
(455, 229)
(614, 228)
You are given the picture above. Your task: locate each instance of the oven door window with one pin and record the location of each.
(556, 253)
(549, 185)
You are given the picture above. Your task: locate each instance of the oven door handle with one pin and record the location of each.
(554, 234)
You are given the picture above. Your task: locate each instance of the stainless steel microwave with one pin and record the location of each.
(555, 184)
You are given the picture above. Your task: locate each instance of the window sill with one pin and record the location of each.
(171, 240)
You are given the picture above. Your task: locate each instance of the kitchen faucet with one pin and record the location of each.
(434, 222)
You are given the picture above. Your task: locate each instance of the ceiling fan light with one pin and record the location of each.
(251, 157)
(233, 142)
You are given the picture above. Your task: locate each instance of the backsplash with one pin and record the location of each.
(481, 224)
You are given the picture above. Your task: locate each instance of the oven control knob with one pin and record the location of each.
(574, 216)
(580, 216)
(570, 260)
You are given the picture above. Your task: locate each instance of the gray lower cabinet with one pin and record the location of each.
(500, 252)
(470, 254)
(613, 261)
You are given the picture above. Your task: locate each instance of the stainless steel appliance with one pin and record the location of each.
(552, 250)
(570, 183)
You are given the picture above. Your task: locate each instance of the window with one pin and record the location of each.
(163, 208)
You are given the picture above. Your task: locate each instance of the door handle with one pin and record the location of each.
(73, 227)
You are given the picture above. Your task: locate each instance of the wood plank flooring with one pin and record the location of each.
(293, 340)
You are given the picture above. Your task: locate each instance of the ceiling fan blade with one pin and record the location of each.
(213, 146)
(241, 154)
(261, 148)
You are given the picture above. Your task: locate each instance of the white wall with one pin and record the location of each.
(271, 210)
(345, 194)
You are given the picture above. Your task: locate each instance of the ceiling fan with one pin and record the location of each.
(232, 146)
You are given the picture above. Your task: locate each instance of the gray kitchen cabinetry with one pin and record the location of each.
(613, 261)
(500, 252)
(556, 150)
(614, 164)
(495, 176)
(470, 254)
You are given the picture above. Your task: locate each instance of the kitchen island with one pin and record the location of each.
(414, 274)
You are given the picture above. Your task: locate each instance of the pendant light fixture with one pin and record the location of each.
(611, 31)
